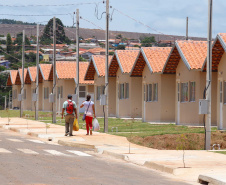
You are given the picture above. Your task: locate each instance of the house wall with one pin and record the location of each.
(40, 96)
(168, 97)
(15, 102)
(131, 107)
(68, 88)
(46, 106)
(189, 111)
(123, 105)
(100, 81)
(162, 110)
(221, 78)
(27, 101)
(98, 108)
(112, 97)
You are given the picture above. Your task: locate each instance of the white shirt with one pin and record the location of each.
(88, 111)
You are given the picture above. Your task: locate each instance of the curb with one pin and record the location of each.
(79, 145)
(205, 179)
(117, 156)
(159, 167)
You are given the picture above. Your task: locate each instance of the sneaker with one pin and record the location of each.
(70, 134)
(66, 134)
(91, 132)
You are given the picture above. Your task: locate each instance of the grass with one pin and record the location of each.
(221, 152)
(125, 128)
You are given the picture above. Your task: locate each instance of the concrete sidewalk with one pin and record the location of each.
(205, 165)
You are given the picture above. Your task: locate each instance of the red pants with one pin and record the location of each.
(89, 124)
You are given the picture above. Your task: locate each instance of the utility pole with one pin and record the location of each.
(54, 70)
(77, 61)
(106, 67)
(22, 78)
(209, 77)
(5, 101)
(187, 28)
(10, 99)
(37, 75)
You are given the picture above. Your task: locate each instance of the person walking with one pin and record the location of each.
(90, 112)
(70, 111)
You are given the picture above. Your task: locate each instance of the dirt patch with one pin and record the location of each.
(194, 141)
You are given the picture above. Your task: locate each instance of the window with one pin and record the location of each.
(126, 90)
(15, 94)
(60, 92)
(46, 93)
(155, 92)
(149, 92)
(100, 90)
(82, 91)
(192, 91)
(221, 93)
(25, 94)
(121, 91)
(224, 92)
(184, 92)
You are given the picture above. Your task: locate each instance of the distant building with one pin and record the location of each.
(5, 63)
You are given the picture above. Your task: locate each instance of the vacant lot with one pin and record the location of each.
(167, 136)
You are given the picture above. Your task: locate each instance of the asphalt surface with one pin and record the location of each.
(27, 160)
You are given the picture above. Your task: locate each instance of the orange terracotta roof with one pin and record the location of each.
(96, 65)
(33, 73)
(126, 59)
(67, 70)
(45, 70)
(12, 77)
(194, 52)
(19, 76)
(32, 51)
(219, 48)
(154, 57)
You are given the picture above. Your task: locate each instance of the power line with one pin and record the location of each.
(137, 21)
(33, 15)
(49, 5)
(91, 23)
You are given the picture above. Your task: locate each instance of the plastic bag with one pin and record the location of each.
(75, 125)
(96, 125)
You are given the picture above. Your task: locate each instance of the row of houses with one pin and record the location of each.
(157, 84)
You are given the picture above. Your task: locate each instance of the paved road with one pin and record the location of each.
(26, 160)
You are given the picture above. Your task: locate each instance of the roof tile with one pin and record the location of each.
(156, 57)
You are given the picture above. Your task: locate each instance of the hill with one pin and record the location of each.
(30, 30)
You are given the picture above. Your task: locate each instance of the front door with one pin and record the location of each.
(221, 105)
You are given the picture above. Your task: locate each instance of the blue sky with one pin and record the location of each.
(165, 16)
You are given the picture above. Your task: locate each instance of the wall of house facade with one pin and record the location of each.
(221, 78)
(130, 107)
(162, 110)
(15, 102)
(98, 81)
(123, 105)
(188, 112)
(46, 106)
(27, 101)
(112, 97)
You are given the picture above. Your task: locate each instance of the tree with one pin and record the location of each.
(9, 43)
(19, 41)
(119, 36)
(47, 37)
(147, 41)
(121, 47)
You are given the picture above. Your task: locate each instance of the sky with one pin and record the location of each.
(160, 16)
